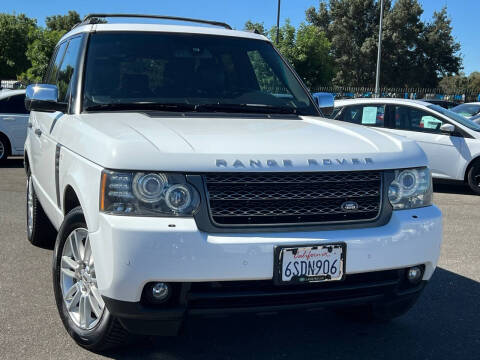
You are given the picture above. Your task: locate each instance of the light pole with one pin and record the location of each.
(379, 54)
(278, 22)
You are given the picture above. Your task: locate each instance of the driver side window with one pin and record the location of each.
(51, 77)
(408, 118)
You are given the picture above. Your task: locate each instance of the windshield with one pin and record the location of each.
(467, 109)
(189, 72)
(454, 116)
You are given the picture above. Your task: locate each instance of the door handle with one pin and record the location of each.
(38, 132)
(9, 118)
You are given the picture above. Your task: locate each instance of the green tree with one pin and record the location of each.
(306, 49)
(439, 53)
(414, 53)
(311, 56)
(43, 41)
(474, 81)
(251, 26)
(39, 52)
(459, 83)
(62, 22)
(351, 28)
(15, 35)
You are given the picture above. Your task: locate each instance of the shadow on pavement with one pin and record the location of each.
(452, 188)
(12, 163)
(444, 324)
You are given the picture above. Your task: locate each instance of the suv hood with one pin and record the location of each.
(137, 141)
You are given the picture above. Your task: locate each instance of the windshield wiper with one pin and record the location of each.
(247, 108)
(142, 106)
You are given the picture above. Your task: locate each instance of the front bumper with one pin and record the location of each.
(129, 252)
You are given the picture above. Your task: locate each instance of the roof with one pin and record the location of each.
(7, 93)
(381, 101)
(471, 103)
(207, 30)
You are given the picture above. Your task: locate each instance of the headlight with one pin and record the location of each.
(147, 194)
(411, 188)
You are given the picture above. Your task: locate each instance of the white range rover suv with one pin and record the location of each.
(186, 170)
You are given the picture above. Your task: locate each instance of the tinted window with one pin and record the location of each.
(69, 64)
(457, 117)
(408, 118)
(467, 109)
(55, 65)
(190, 69)
(368, 114)
(13, 105)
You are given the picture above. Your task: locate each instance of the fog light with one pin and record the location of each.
(414, 274)
(160, 291)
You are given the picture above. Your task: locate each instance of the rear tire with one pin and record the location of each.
(379, 312)
(91, 325)
(473, 178)
(4, 148)
(40, 231)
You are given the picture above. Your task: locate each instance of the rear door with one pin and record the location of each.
(14, 118)
(443, 150)
(363, 114)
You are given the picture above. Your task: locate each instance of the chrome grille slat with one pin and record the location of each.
(314, 191)
(292, 198)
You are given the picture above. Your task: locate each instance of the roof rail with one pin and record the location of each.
(93, 19)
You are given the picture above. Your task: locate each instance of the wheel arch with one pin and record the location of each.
(26, 162)
(70, 199)
(469, 166)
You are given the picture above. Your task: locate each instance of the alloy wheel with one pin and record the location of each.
(78, 281)
(2, 149)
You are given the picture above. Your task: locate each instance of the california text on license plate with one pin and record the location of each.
(310, 263)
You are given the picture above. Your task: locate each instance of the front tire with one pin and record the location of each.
(473, 178)
(79, 303)
(40, 231)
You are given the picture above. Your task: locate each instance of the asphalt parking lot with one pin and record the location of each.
(445, 323)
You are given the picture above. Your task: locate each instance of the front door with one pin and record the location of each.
(443, 150)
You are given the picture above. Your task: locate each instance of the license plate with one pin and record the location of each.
(318, 263)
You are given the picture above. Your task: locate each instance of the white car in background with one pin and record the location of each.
(468, 110)
(451, 142)
(13, 123)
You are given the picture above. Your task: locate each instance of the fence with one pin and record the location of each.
(12, 84)
(458, 95)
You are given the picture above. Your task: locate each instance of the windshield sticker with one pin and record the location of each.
(369, 115)
(429, 122)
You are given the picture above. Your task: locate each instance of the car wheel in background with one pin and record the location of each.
(4, 148)
(80, 305)
(40, 231)
(473, 177)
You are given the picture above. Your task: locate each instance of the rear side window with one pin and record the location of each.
(13, 105)
(369, 115)
(67, 69)
(408, 118)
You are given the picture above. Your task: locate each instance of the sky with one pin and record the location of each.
(463, 13)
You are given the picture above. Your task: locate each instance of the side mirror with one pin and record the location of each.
(325, 102)
(447, 128)
(43, 97)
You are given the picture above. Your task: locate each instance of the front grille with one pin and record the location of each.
(292, 198)
(254, 293)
